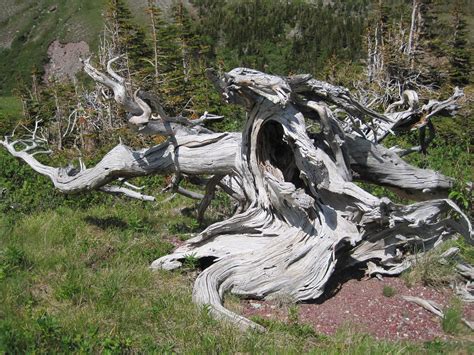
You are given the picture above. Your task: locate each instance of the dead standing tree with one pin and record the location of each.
(301, 216)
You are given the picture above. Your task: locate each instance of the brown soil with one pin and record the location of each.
(361, 303)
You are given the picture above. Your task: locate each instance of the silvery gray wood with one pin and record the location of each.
(301, 217)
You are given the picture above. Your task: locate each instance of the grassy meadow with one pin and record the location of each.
(77, 280)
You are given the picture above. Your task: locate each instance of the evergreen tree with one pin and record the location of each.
(178, 58)
(188, 88)
(174, 65)
(163, 46)
(459, 54)
(126, 37)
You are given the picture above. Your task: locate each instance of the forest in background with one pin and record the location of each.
(359, 44)
(166, 52)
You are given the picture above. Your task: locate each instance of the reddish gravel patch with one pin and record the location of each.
(361, 303)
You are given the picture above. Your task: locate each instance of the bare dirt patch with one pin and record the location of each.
(64, 60)
(361, 303)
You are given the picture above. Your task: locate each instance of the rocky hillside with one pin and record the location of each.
(29, 27)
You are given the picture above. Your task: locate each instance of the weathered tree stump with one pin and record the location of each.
(301, 217)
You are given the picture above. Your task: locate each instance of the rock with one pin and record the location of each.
(255, 305)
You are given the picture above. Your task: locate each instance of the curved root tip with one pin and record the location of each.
(208, 288)
(166, 263)
(206, 292)
(220, 312)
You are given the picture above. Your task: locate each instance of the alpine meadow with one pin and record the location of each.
(236, 176)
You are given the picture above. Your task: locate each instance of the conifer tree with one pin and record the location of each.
(156, 21)
(187, 74)
(459, 54)
(127, 37)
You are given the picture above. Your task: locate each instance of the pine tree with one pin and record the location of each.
(157, 23)
(459, 54)
(189, 52)
(126, 37)
(162, 42)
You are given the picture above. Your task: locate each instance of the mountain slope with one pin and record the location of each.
(28, 27)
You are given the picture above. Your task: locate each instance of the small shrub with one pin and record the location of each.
(190, 226)
(13, 338)
(191, 262)
(138, 225)
(388, 291)
(429, 271)
(451, 321)
(466, 250)
(116, 345)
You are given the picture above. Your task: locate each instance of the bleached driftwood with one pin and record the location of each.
(434, 308)
(300, 217)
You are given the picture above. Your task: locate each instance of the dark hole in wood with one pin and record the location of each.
(276, 156)
(205, 262)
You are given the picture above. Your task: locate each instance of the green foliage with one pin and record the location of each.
(73, 286)
(190, 225)
(388, 291)
(449, 154)
(438, 346)
(10, 112)
(293, 314)
(428, 269)
(46, 333)
(282, 36)
(461, 197)
(191, 262)
(23, 191)
(127, 37)
(451, 322)
(13, 259)
(466, 250)
(460, 53)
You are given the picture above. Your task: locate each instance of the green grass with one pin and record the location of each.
(451, 322)
(10, 106)
(10, 113)
(77, 280)
(428, 269)
(388, 291)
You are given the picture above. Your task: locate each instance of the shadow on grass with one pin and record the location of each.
(107, 222)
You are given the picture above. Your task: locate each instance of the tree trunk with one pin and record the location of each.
(302, 217)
